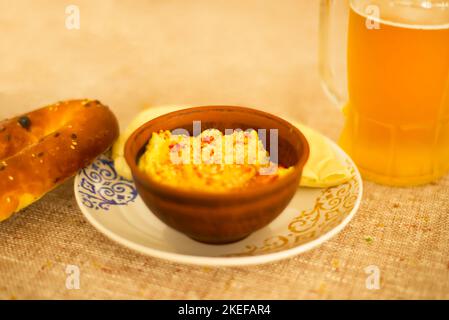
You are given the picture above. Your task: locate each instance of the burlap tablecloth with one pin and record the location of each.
(252, 52)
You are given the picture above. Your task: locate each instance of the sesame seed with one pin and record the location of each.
(11, 178)
(8, 199)
(74, 143)
(24, 122)
(72, 147)
(41, 161)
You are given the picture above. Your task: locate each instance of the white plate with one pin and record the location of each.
(111, 204)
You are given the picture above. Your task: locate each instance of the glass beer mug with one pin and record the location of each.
(386, 62)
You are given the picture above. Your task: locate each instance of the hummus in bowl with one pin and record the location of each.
(210, 162)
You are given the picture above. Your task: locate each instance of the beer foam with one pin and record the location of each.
(410, 14)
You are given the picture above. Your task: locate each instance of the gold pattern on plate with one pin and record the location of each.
(331, 207)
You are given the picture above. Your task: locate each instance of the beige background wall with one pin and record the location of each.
(258, 53)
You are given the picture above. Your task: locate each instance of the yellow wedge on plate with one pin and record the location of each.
(323, 169)
(118, 149)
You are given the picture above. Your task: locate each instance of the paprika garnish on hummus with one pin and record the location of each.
(211, 161)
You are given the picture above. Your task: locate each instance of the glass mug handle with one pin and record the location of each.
(332, 49)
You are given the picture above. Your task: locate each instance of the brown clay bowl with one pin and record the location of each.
(220, 217)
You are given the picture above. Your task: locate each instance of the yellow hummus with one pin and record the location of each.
(211, 161)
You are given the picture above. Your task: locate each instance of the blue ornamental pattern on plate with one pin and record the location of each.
(100, 187)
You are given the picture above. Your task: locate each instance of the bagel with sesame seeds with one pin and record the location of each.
(43, 148)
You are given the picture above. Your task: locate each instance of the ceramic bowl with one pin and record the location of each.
(219, 218)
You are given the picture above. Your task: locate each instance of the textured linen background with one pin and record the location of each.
(258, 53)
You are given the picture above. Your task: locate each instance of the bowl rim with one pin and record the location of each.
(239, 194)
